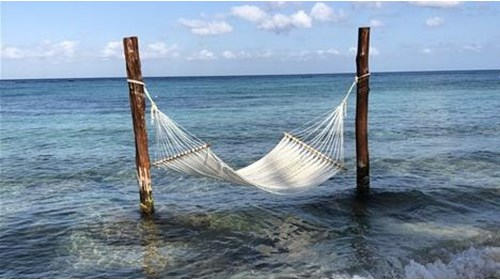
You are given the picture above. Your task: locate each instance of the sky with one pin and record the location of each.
(84, 39)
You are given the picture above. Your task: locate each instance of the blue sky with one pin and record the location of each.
(83, 39)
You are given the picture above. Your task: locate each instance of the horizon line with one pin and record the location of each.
(251, 75)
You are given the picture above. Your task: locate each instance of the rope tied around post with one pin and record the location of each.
(362, 76)
(355, 82)
(145, 89)
(154, 108)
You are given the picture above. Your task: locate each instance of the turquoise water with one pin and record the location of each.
(69, 200)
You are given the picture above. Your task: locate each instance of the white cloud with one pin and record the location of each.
(475, 47)
(112, 50)
(426, 51)
(280, 23)
(63, 50)
(303, 55)
(434, 22)
(67, 48)
(205, 28)
(236, 55)
(352, 50)
(277, 4)
(228, 55)
(301, 19)
(322, 12)
(264, 54)
(333, 51)
(368, 4)
(376, 23)
(328, 52)
(284, 55)
(160, 50)
(249, 12)
(49, 50)
(12, 53)
(436, 4)
(155, 50)
(373, 51)
(202, 55)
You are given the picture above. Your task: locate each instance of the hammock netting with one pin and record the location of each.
(305, 157)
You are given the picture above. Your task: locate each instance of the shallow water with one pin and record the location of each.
(69, 202)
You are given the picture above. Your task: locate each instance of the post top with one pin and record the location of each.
(130, 38)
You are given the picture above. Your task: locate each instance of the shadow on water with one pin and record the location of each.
(264, 241)
(360, 218)
(153, 262)
(337, 235)
(270, 242)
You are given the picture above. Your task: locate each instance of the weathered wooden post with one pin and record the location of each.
(362, 156)
(137, 107)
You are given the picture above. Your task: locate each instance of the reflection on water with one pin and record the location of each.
(361, 231)
(153, 261)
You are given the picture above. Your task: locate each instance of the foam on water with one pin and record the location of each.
(472, 263)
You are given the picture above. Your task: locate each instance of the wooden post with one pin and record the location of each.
(137, 107)
(362, 156)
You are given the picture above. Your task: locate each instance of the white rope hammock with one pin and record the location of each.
(304, 158)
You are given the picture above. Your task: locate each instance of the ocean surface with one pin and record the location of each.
(69, 195)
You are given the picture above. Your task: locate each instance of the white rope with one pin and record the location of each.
(153, 104)
(304, 158)
(362, 76)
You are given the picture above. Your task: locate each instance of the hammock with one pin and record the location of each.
(304, 158)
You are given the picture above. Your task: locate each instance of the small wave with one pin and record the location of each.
(471, 263)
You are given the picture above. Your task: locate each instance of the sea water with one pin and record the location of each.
(69, 195)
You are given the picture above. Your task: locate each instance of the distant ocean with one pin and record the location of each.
(69, 199)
